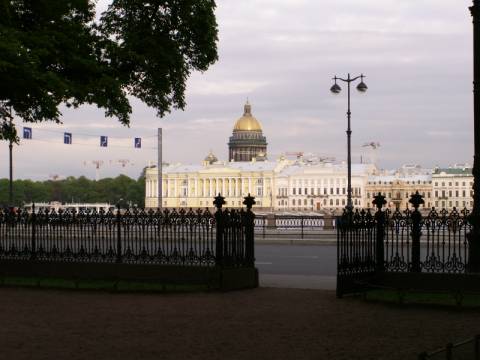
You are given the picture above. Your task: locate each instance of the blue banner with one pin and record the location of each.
(27, 133)
(67, 138)
(138, 143)
(103, 141)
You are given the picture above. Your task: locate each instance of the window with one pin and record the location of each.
(338, 191)
(294, 191)
(299, 191)
(331, 202)
(343, 201)
(293, 202)
(304, 202)
(331, 191)
(463, 193)
(344, 191)
(436, 193)
(337, 202)
(306, 191)
(456, 194)
(312, 191)
(324, 191)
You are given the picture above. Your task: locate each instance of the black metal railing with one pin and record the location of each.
(467, 349)
(403, 241)
(177, 237)
(278, 226)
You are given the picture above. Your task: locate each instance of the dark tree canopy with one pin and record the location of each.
(74, 189)
(54, 52)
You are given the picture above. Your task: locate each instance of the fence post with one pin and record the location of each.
(33, 254)
(301, 222)
(449, 351)
(119, 235)
(219, 202)
(249, 201)
(379, 202)
(416, 200)
(477, 347)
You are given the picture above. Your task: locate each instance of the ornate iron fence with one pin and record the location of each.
(402, 241)
(177, 237)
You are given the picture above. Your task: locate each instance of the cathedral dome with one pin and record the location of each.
(247, 122)
(211, 158)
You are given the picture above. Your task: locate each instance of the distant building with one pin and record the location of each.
(453, 187)
(56, 206)
(196, 185)
(302, 184)
(397, 186)
(247, 141)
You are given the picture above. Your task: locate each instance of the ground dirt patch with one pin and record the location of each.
(262, 323)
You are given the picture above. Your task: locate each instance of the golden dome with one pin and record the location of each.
(247, 122)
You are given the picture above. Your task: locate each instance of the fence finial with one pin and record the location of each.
(416, 200)
(219, 201)
(249, 201)
(379, 201)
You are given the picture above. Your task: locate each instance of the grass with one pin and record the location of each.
(103, 285)
(423, 298)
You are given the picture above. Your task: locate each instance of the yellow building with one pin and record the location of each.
(196, 185)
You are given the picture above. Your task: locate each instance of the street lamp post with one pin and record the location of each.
(10, 153)
(336, 89)
(474, 236)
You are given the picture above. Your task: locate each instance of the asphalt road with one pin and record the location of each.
(296, 259)
(297, 266)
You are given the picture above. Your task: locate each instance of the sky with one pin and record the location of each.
(417, 57)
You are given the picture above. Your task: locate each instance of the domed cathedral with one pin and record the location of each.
(247, 141)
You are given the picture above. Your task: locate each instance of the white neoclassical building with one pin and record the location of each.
(282, 185)
(196, 185)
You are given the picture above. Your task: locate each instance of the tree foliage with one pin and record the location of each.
(71, 189)
(54, 52)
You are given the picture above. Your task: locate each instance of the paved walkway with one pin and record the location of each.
(265, 323)
(299, 281)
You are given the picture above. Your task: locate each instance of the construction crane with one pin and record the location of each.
(98, 164)
(298, 154)
(373, 145)
(124, 162)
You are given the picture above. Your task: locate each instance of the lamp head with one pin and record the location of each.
(335, 89)
(362, 87)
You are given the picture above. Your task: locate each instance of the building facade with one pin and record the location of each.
(283, 185)
(453, 187)
(195, 186)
